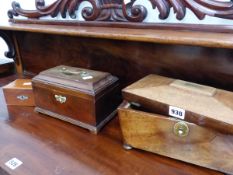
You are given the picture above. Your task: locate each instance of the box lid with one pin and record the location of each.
(84, 80)
(19, 84)
(203, 105)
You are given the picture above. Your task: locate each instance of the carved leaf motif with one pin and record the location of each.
(200, 8)
(212, 8)
(59, 6)
(163, 7)
(179, 8)
(134, 13)
(118, 10)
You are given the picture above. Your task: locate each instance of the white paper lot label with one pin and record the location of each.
(127, 1)
(177, 112)
(27, 84)
(87, 77)
(13, 163)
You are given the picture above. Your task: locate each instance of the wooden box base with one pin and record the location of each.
(155, 133)
(93, 129)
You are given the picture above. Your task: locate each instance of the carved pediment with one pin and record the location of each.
(120, 10)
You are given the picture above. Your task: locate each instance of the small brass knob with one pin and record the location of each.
(181, 129)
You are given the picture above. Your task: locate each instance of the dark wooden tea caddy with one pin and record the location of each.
(82, 97)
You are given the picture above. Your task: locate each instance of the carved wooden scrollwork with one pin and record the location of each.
(11, 49)
(200, 8)
(101, 10)
(120, 10)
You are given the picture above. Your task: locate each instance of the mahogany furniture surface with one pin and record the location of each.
(156, 35)
(127, 60)
(49, 146)
(130, 53)
(120, 10)
(129, 50)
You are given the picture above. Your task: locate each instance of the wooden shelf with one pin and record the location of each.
(164, 36)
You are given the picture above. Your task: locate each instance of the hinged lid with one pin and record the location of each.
(203, 105)
(19, 84)
(84, 80)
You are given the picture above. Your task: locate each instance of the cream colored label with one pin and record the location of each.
(27, 84)
(193, 87)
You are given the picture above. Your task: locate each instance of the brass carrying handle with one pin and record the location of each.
(181, 129)
(83, 74)
(61, 99)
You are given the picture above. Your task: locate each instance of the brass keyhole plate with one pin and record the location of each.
(181, 129)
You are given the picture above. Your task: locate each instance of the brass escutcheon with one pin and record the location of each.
(181, 129)
(60, 99)
(22, 97)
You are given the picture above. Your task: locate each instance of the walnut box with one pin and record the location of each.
(82, 97)
(181, 120)
(19, 92)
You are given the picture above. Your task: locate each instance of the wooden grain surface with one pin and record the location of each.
(48, 146)
(204, 105)
(129, 61)
(183, 37)
(155, 133)
(19, 88)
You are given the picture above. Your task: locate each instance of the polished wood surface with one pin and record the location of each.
(129, 61)
(185, 37)
(50, 146)
(119, 10)
(20, 84)
(82, 80)
(158, 134)
(19, 92)
(66, 93)
(204, 105)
